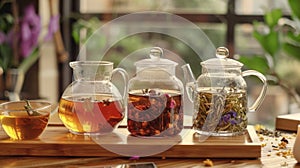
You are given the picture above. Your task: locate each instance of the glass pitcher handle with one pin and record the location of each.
(125, 78)
(262, 94)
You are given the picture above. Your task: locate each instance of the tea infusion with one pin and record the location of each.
(18, 125)
(228, 107)
(84, 114)
(153, 113)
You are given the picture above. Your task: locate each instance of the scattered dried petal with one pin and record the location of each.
(284, 140)
(284, 164)
(134, 158)
(261, 138)
(208, 163)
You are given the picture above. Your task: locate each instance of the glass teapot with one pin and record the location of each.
(92, 104)
(155, 98)
(220, 95)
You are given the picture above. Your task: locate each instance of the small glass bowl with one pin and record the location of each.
(23, 122)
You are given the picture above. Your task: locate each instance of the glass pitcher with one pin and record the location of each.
(155, 98)
(220, 95)
(92, 104)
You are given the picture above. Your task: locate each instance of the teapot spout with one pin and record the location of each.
(190, 81)
(188, 74)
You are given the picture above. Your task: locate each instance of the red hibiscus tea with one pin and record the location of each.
(152, 113)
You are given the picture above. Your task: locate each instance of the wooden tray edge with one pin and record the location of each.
(31, 148)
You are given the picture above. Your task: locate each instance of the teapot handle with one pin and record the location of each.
(262, 94)
(125, 79)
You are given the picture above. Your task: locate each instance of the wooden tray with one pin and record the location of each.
(288, 122)
(57, 141)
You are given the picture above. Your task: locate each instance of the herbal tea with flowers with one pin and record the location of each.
(154, 113)
(19, 43)
(233, 116)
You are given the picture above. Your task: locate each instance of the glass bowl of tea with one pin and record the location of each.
(24, 120)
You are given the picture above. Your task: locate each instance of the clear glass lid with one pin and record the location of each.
(222, 60)
(156, 61)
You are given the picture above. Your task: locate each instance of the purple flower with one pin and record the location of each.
(226, 118)
(2, 37)
(232, 113)
(52, 27)
(30, 27)
(172, 103)
(167, 95)
(233, 122)
(229, 117)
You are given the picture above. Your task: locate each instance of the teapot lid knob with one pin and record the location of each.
(222, 52)
(156, 53)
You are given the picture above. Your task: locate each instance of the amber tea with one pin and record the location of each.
(86, 115)
(18, 125)
(155, 114)
(222, 110)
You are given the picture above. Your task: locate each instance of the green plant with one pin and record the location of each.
(88, 26)
(83, 29)
(277, 35)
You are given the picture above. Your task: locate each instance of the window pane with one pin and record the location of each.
(245, 43)
(178, 6)
(254, 7)
(215, 32)
(199, 6)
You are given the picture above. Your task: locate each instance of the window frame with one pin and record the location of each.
(69, 7)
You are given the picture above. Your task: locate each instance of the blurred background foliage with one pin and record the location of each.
(279, 37)
(84, 28)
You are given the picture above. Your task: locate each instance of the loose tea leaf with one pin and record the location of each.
(215, 112)
(106, 102)
(152, 92)
(29, 109)
(145, 91)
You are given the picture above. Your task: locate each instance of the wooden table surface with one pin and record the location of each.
(272, 161)
(271, 156)
(101, 161)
